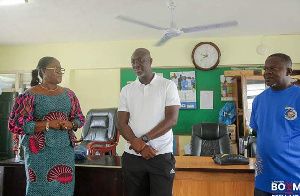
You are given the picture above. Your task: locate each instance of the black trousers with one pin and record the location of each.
(153, 177)
(258, 192)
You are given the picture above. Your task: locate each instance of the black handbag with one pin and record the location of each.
(230, 159)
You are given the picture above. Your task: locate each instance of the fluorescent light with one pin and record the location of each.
(11, 2)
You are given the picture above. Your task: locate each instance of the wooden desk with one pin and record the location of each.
(97, 175)
(102, 175)
(201, 176)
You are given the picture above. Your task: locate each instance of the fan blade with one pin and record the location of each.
(163, 40)
(124, 18)
(209, 27)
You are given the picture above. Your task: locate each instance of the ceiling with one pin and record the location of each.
(63, 21)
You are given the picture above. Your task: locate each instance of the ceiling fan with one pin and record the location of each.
(173, 31)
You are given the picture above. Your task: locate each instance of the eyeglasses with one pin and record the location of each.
(57, 69)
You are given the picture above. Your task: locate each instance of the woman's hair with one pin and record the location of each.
(43, 63)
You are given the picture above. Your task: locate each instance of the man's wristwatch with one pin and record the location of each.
(145, 138)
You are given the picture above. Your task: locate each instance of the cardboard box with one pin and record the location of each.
(234, 149)
(232, 133)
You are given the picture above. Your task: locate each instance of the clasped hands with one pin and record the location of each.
(63, 124)
(139, 146)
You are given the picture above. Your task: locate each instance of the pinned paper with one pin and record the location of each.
(206, 100)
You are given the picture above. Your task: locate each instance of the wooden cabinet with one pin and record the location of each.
(10, 85)
(245, 88)
(6, 142)
(296, 77)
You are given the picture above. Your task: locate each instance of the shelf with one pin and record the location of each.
(8, 90)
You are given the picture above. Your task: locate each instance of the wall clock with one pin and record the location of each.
(206, 56)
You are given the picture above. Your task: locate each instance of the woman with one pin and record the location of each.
(47, 115)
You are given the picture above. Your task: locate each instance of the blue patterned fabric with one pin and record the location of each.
(49, 155)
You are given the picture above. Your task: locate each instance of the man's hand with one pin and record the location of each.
(137, 144)
(148, 152)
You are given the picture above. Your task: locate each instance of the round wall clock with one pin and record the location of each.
(206, 56)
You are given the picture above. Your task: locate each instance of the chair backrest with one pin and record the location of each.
(100, 125)
(251, 147)
(209, 139)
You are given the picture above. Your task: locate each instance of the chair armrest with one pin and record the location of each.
(94, 147)
(106, 146)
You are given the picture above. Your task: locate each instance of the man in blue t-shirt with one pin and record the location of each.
(275, 118)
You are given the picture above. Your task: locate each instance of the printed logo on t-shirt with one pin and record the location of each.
(290, 113)
(280, 188)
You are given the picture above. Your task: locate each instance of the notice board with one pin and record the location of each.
(205, 81)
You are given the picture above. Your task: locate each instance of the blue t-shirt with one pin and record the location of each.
(275, 116)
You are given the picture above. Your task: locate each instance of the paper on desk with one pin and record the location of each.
(187, 149)
(206, 99)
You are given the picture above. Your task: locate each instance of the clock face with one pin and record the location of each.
(206, 56)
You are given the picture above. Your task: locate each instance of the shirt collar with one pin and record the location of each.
(154, 79)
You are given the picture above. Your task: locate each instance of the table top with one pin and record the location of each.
(106, 161)
(195, 163)
(183, 163)
(90, 161)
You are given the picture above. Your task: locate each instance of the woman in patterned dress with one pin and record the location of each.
(47, 116)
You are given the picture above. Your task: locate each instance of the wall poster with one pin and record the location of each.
(226, 88)
(186, 85)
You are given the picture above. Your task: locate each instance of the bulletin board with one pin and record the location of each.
(205, 81)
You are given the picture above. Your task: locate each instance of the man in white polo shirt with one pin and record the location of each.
(148, 109)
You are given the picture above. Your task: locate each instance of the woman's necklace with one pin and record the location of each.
(49, 89)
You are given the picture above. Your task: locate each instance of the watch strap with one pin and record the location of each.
(145, 138)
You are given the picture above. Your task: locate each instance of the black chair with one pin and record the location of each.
(209, 139)
(251, 146)
(100, 134)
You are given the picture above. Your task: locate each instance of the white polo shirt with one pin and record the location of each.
(146, 105)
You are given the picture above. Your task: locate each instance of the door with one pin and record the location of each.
(6, 142)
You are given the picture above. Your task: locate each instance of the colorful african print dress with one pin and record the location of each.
(49, 155)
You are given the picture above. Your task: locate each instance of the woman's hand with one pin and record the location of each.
(61, 124)
(66, 125)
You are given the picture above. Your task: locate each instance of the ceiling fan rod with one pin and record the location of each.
(172, 5)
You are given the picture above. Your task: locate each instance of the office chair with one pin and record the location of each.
(209, 139)
(251, 146)
(100, 134)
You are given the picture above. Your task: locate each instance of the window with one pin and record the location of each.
(15, 82)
